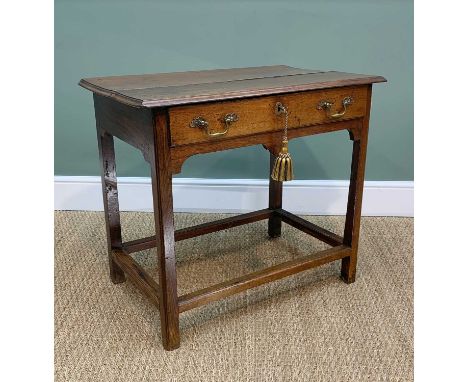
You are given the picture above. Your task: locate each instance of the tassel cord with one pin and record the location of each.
(282, 168)
(286, 118)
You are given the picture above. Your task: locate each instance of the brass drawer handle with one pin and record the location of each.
(327, 105)
(202, 123)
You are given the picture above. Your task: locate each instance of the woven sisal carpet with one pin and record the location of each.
(308, 327)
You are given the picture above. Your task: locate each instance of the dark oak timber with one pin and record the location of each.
(275, 200)
(155, 114)
(356, 187)
(218, 225)
(201, 229)
(309, 228)
(129, 124)
(168, 89)
(164, 224)
(139, 244)
(138, 275)
(111, 201)
(270, 140)
(254, 115)
(227, 288)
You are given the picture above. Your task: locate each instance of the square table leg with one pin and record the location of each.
(111, 201)
(353, 212)
(161, 177)
(275, 201)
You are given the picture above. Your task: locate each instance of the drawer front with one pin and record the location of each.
(223, 120)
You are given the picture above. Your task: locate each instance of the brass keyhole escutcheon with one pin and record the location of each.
(280, 108)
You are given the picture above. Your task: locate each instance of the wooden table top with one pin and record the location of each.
(168, 89)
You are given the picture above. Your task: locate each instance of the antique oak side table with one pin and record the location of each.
(170, 117)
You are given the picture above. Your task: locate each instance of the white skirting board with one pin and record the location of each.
(307, 197)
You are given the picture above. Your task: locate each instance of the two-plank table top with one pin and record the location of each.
(168, 89)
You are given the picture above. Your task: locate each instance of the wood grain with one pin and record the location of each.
(258, 115)
(198, 230)
(110, 199)
(222, 224)
(137, 275)
(145, 81)
(310, 228)
(270, 139)
(131, 125)
(161, 180)
(181, 88)
(228, 288)
(275, 201)
(355, 194)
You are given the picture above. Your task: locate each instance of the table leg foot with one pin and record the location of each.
(348, 270)
(348, 280)
(117, 275)
(274, 227)
(171, 344)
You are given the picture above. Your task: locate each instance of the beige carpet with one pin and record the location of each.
(308, 327)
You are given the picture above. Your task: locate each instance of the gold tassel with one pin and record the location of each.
(282, 169)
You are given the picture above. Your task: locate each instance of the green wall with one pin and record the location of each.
(108, 37)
